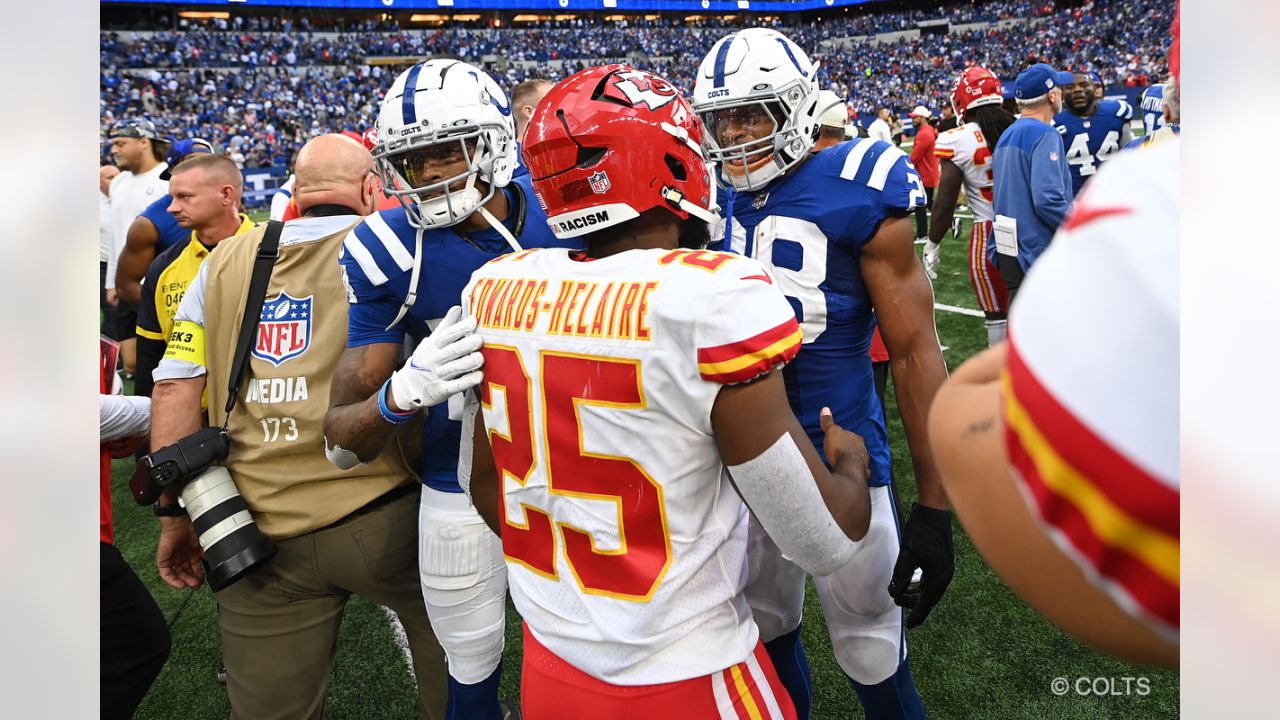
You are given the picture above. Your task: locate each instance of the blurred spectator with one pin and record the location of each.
(948, 119)
(833, 122)
(879, 128)
(105, 175)
(524, 99)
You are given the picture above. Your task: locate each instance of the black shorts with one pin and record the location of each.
(122, 322)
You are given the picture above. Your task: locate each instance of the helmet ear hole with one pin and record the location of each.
(676, 167)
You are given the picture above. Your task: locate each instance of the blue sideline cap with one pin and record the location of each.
(181, 150)
(1037, 80)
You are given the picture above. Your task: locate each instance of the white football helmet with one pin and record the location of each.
(444, 111)
(757, 95)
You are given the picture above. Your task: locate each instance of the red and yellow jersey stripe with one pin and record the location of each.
(944, 152)
(1114, 518)
(748, 359)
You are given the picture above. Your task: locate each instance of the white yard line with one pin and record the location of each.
(958, 310)
(402, 640)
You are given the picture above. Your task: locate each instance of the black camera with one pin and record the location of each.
(178, 463)
(233, 545)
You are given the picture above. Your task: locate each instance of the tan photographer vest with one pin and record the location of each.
(277, 426)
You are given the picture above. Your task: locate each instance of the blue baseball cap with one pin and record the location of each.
(1037, 80)
(180, 150)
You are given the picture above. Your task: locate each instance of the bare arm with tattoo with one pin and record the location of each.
(353, 421)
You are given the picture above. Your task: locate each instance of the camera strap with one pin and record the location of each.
(268, 250)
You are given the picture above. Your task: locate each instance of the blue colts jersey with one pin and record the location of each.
(1090, 141)
(1152, 106)
(809, 228)
(377, 262)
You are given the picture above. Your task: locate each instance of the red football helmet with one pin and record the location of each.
(611, 142)
(976, 86)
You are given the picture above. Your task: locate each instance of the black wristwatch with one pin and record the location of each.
(174, 510)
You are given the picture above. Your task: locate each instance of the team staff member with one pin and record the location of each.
(139, 152)
(926, 164)
(337, 533)
(204, 202)
(154, 230)
(1032, 180)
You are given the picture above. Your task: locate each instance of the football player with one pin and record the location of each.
(1092, 130)
(1152, 108)
(620, 384)
(445, 149)
(965, 157)
(834, 230)
(1170, 115)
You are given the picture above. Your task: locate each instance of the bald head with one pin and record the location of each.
(105, 175)
(333, 169)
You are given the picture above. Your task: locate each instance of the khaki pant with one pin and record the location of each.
(280, 623)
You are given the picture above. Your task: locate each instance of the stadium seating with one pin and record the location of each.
(265, 85)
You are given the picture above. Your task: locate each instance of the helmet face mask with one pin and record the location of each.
(446, 144)
(745, 73)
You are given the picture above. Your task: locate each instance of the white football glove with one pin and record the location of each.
(444, 364)
(931, 258)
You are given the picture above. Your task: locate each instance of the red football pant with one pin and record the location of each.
(552, 689)
(987, 283)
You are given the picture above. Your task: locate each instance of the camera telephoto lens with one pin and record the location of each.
(233, 544)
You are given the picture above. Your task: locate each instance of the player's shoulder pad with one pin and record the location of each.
(381, 245)
(867, 162)
(712, 268)
(1115, 108)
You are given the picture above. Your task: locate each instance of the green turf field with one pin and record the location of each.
(982, 654)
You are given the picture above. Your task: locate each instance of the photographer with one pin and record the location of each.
(336, 533)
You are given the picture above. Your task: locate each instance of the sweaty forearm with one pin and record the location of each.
(917, 375)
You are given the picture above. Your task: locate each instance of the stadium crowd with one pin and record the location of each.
(266, 85)
(263, 86)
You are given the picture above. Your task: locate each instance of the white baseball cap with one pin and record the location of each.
(835, 114)
(921, 111)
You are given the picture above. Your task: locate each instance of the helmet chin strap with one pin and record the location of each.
(412, 296)
(499, 227)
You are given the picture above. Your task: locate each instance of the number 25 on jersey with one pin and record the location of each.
(570, 383)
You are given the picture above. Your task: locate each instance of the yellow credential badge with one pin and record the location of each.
(186, 343)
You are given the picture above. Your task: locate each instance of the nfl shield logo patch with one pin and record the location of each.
(600, 183)
(284, 330)
(760, 200)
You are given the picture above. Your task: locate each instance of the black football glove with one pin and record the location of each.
(926, 544)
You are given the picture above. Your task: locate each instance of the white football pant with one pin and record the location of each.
(464, 583)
